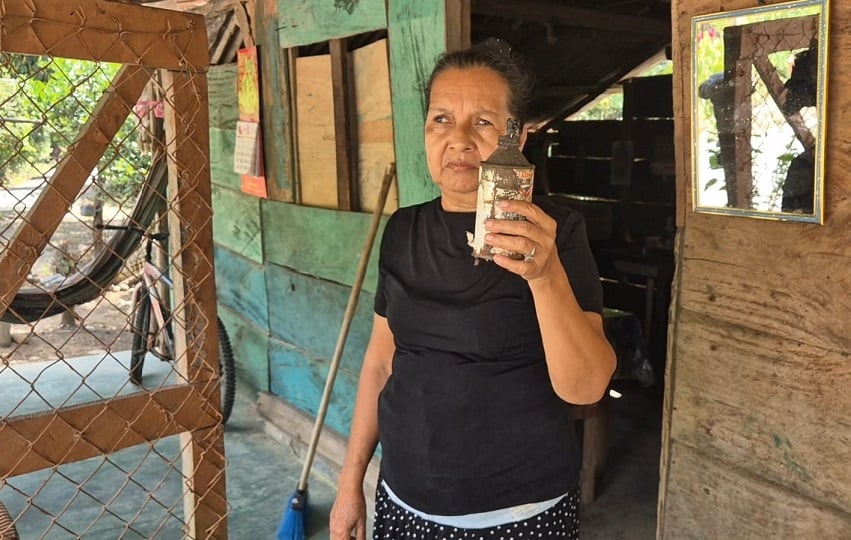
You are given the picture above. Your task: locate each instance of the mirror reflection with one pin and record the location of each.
(758, 102)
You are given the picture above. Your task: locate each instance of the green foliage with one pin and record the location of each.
(45, 102)
(607, 108)
(610, 107)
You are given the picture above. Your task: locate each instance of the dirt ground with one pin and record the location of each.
(101, 325)
(97, 326)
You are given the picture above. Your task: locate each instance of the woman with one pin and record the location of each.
(469, 368)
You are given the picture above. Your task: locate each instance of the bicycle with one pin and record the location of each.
(155, 334)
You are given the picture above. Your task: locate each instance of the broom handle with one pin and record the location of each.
(344, 330)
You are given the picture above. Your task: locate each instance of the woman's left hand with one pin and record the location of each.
(535, 237)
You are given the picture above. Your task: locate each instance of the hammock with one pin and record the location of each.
(89, 283)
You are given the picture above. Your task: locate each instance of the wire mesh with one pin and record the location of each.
(86, 452)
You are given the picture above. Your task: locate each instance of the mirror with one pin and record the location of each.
(758, 102)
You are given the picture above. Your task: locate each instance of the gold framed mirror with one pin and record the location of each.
(758, 111)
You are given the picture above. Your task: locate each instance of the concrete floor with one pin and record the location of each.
(96, 498)
(137, 492)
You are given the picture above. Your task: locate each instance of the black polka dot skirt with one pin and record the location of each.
(394, 522)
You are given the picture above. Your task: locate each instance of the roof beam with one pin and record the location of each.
(548, 11)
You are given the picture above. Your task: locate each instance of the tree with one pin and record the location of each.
(45, 101)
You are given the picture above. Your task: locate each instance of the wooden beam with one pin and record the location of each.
(40, 441)
(276, 108)
(223, 51)
(548, 11)
(196, 332)
(768, 73)
(457, 24)
(345, 125)
(103, 31)
(63, 187)
(244, 25)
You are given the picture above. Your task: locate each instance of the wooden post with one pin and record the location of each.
(345, 125)
(196, 331)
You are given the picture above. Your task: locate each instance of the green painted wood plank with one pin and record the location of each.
(241, 286)
(319, 242)
(222, 143)
(250, 350)
(299, 379)
(236, 222)
(417, 35)
(307, 313)
(302, 22)
(274, 97)
(221, 83)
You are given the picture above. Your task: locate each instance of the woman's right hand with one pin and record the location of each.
(348, 515)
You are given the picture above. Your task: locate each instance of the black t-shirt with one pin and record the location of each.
(468, 420)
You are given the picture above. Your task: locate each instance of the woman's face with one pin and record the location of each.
(467, 114)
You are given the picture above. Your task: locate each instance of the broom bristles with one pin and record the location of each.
(294, 522)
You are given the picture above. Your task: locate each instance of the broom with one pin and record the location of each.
(294, 521)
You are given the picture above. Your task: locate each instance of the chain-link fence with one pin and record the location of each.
(103, 125)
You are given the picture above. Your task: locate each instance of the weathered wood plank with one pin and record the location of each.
(276, 111)
(798, 431)
(241, 286)
(374, 124)
(319, 242)
(222, 144)
(417, 36)
(315, 132)
(39, 441)
(236, 222)
(800, 299)
(250, 349)
(103, 31)
(224, 109)
(307, 313)
(55, 199)
(191, 245)
(302, 22)
(299, 379)
(345, 124)
(710, 499)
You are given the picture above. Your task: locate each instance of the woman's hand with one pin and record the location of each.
(534, 237)
(348, 515)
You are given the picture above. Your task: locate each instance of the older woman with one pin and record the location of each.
(469, 368)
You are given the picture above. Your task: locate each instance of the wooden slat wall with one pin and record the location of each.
(318, 242)
(250, 345)
(757, 438)
(305, 315)
(302, 22)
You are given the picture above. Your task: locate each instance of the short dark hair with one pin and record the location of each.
(497, 55)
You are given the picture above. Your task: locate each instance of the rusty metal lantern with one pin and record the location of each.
(506, 174)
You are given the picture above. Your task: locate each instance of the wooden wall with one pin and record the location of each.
(757, 438)
(284, 270)
(283, 273)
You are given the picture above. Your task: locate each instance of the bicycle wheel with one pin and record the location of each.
(141, 327)
(227, 372)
